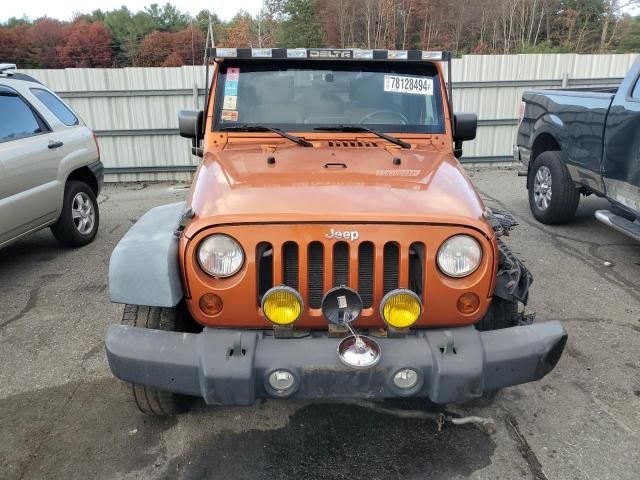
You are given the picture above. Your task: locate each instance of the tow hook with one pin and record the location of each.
(486, 424)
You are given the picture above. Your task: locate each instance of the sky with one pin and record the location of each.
(64, 9)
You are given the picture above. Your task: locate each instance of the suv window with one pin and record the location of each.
(636, 90)
(301, 96)
(17, 119)
(57, 107)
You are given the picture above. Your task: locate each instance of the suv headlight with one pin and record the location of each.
(220, 255)
(459, 256)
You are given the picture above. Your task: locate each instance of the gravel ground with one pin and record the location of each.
(63, 416)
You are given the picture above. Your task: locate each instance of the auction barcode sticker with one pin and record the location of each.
(415, 85)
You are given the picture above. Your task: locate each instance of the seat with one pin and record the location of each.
(274, 102)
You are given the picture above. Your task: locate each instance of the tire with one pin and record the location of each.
(555, 203)
(80, 217)
(149, 400)
(501, 314)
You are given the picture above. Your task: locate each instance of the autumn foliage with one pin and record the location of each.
(165, 36)
(86, 45)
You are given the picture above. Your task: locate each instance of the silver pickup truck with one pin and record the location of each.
(50, 168)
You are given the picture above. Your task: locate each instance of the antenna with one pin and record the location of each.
(208, 43)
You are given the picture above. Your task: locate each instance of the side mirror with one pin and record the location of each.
(465, 126)
(191, 125)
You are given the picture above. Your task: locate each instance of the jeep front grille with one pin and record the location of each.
(320, 266)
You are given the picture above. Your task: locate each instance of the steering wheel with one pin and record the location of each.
(403, 120)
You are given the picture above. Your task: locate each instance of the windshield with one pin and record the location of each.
(307, 95)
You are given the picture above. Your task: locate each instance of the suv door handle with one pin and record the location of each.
(53, 144)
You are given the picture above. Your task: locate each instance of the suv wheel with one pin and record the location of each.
(80, 217)
(553, 197)
(148, 399)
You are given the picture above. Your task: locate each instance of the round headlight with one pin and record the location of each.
(459, 256)
(220, 255)
(400, 308)
(282, 305)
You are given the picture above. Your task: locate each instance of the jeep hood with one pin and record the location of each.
(242, 185)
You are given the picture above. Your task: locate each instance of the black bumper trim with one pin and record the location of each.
(231, 366)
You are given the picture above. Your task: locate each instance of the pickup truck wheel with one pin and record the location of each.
(553, 197)
(148, 399)
(80, 217)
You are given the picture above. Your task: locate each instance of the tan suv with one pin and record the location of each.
(50, 168)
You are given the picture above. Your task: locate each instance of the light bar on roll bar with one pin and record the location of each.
(328, 54)
(337, 54)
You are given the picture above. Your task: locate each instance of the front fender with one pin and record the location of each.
(144, 267)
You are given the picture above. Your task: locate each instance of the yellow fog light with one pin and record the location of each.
(282, 305)
(400, 308)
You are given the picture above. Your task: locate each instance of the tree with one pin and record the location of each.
(127, 31)
(86, 45)
(629, 35)
(240, 32)
(45, 38)
(300, 26)
(154, 49)
(202, 22)
(173, 60)
(167, 18)
(14, 49)
(188, 46)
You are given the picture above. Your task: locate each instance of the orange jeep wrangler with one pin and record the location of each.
(331, 246)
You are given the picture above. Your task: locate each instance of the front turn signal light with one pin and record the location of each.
(400, 308)
(468, 303)
(282, 305)
(211, 304)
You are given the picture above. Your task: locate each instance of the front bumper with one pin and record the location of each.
(231, 367)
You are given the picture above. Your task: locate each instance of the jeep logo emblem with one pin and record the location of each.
(335, 235)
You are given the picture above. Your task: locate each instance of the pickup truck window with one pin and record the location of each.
(55, 105)
(302, 96)
(636, 90)
(17, 119)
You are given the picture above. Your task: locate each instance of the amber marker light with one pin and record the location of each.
(211, 304)
(468, 303)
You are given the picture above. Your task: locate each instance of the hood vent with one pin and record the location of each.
(352, 144)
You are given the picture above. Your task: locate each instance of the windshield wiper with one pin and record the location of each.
(262, 128)
(360, 128)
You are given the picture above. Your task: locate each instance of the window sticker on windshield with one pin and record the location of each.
(231, 88)
(230, 102)
(233, 74)
(229, 115)
(399, 84)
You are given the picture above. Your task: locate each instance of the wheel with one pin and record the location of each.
(80, 217)
(501, 314)
(553, 197)
(148, 399)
